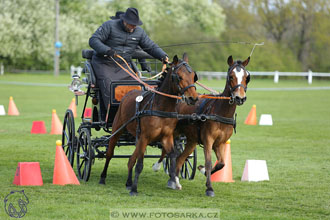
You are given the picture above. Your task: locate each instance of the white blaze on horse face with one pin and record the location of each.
(239, 75)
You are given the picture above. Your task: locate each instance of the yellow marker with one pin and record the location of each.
(58, 143)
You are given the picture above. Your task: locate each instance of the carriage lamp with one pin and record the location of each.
(76, 85)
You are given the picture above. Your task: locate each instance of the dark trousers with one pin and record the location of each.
(107, 71)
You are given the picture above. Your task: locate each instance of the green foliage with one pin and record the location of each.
(296, 33)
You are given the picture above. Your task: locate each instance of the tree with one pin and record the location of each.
(27, 27)
(27, 31)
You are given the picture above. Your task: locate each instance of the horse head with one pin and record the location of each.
(184, 78)
(237, 80)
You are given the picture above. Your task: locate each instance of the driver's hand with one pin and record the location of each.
(165, 60)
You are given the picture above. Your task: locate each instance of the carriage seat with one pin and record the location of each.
(88, 69)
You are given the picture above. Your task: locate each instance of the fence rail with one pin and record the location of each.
(276, 74)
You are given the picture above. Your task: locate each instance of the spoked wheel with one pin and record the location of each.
(68, 136)
(85, 154)
(189, 167)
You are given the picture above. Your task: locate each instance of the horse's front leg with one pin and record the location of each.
(156, 166)
(208, 167)
(219, 150)
(139, 151)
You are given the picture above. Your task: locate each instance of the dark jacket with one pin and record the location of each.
(112, 35)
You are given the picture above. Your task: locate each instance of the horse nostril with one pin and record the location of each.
(192, 100)
(239, 100)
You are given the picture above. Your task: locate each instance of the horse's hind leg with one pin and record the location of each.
(109, 155)
(139, 151)
(130, 165)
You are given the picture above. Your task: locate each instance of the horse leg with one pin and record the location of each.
(173, 182)
(109, 155)
(156, 166)
(130, 165)
(189, 148)
(219, 150)
(139, 151)
(208, 167)
(168, 147)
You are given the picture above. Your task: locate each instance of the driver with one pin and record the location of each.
(121, 36)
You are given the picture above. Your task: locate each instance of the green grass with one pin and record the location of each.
(296, 148)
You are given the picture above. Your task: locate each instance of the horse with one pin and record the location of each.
(212, 132)
(179, 79)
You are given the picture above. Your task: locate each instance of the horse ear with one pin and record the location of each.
(230, 60)
(185, 57)
(195, 77)
(246, 62)
(175, 59)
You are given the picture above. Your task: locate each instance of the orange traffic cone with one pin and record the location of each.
(225, 174)
(56, 124)
(63, 172)
(12, 109)
(73, 107)
(251, 119)
(28, 174)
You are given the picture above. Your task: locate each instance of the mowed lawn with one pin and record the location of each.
(296, 148)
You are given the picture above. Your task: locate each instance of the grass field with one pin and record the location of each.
(296, 148)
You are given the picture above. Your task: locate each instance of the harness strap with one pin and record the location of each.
(217, 118)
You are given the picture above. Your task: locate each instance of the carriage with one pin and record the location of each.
(80, 144)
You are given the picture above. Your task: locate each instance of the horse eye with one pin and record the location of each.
(231, 78)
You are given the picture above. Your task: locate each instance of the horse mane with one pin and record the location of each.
(239, 62)
(162, 78)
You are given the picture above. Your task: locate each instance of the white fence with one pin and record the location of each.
(276, 74)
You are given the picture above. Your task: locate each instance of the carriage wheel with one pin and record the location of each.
(85, 154)
(68, 136)
(189, 167)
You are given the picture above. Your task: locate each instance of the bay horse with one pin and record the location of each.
(179, 79)
(212, 134)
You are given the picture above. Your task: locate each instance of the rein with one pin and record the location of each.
(134, 76)
(140, 81)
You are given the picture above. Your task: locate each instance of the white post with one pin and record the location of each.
(2, 69)
(310, 76)
(79, 70)
(276, 77)
(72, 70)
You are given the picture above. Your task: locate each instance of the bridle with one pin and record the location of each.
(176, 78)
(232, 89)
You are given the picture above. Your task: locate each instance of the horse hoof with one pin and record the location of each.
(102, 181)
(156, 166)
(132, 193)
(210, 193)
(171, 184)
